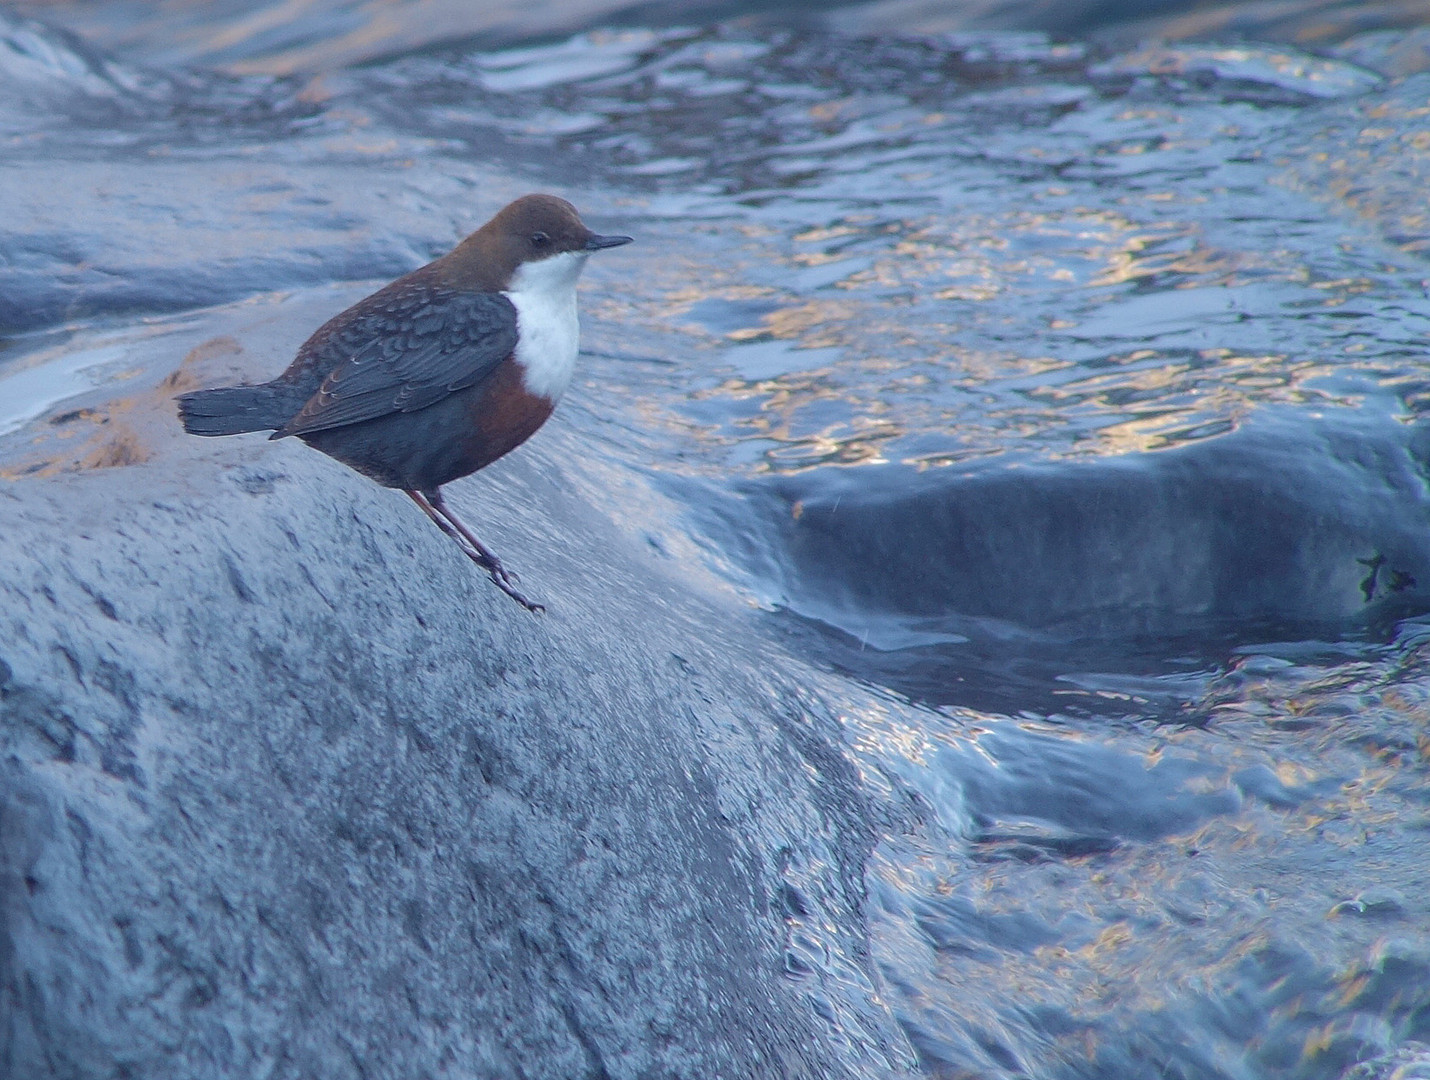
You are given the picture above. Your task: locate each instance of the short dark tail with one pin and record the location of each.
(231, 410)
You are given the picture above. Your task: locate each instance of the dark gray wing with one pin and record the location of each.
(401, 350)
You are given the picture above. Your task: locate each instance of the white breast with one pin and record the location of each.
(548, 331)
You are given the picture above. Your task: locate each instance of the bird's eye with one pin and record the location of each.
(540, 239)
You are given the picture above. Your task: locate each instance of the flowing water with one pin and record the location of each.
(1067, 392)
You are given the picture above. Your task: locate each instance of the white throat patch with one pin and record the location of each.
(544, 295)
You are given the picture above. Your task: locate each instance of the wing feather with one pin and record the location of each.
(405, 351)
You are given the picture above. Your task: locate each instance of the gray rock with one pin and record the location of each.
(288, 789)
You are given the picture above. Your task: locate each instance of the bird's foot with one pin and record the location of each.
(530, 605)
(501, 577)
(436, 508)
(503, 581)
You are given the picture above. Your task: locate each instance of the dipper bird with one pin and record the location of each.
(438, 374)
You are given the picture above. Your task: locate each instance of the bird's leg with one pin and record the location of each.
(446, 527)
(457, 528)
(435, 507)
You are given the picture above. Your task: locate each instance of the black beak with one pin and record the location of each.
(596, 243)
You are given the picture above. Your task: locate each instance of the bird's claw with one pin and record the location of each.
(500, 580)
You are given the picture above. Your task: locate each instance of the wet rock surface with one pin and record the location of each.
(289, 790)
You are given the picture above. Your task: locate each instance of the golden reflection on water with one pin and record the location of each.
(813, 325)
(1211, 266)
(908, 383)
(1373, 161)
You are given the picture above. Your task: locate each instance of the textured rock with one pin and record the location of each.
(287, 789)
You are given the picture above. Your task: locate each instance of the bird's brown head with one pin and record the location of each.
(531, 229)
